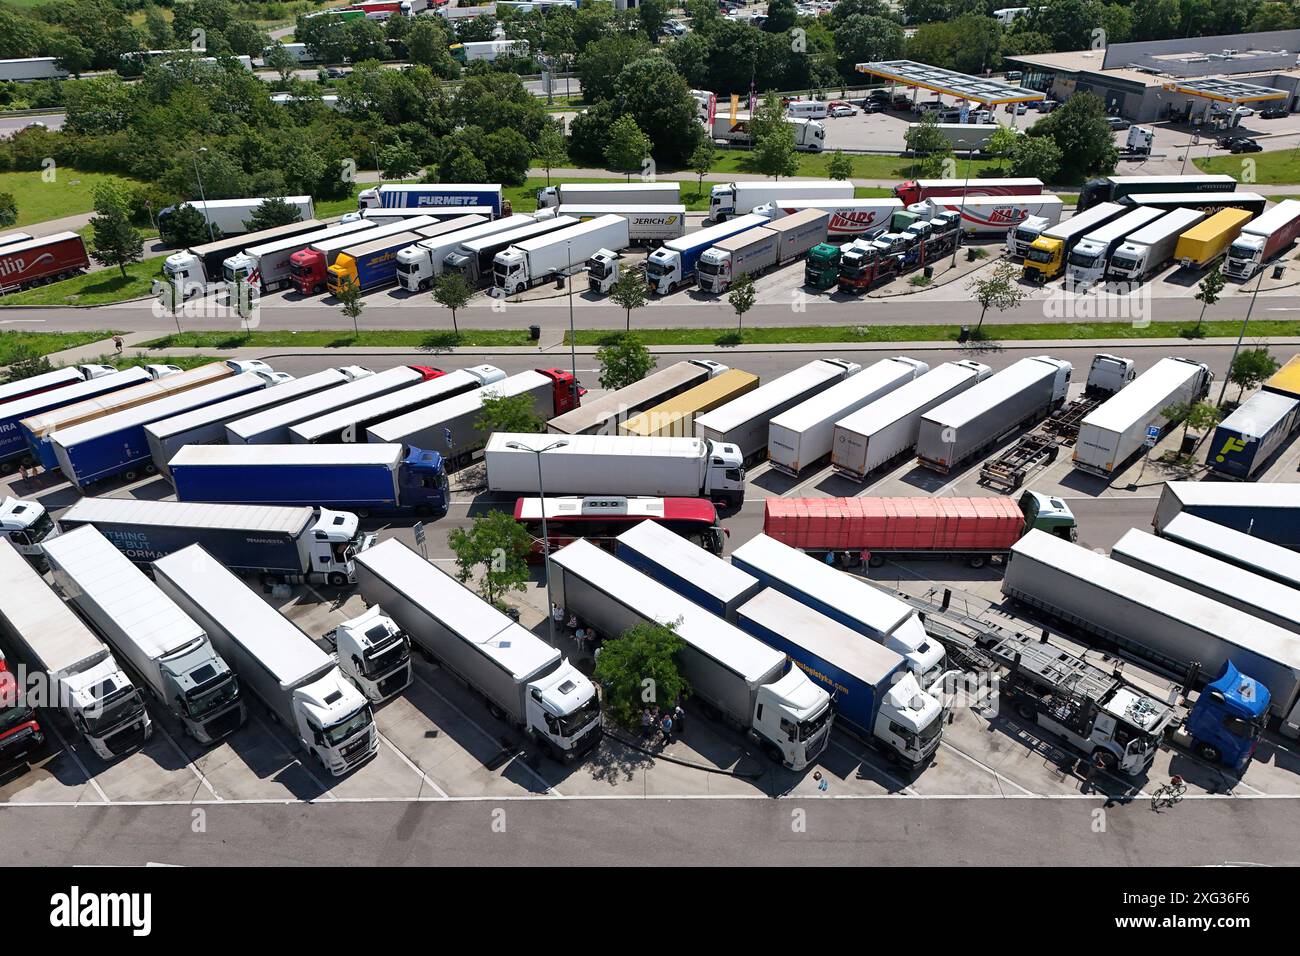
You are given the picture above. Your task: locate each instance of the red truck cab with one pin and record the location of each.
(20, 734)
(307, 272)
(428, 371)
(566, 394)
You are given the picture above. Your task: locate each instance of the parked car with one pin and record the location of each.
(1243, 144)
(1046, 106)
(874, 106)
(902, 101)
(1018, 109)
(1243, 112)
(1274, 112)
(841, 109)
(1117, 122)
(1014, 76)
(336, 73)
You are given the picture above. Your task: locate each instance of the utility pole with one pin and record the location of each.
(546, 537)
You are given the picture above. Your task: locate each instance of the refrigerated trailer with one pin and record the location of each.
(13, 447)
(524, 264)
(804, 435)
(591, 194)
(300, 684)
(751, 686)
(888, 428)
(271, 426)
(83, 679)
(998, 215)
(349, 423)
(117, 445)
(744, 421)
(473, 258)
(293, 544)
(420, 264)
(739, 198)
(1263, 240)
(1087, 260)
(616, 465)
(1174, 629)
(604, 415)
(523, 679)
(961, 427)
(207, 425)
(855, 603)
(166, 649)
(1243, 550)
(1144, 252)
(1246, 440)
(1218, 580)
(646, 224)
(1113, 433)
(1270, 511)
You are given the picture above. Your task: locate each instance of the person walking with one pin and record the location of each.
(117, 343)
(666, 727)
(22, 471)
(557, 614)
(645, 721)
(679, 720)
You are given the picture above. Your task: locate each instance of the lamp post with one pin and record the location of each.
(546, 538)
(1241, 335)
(374, 148)
(573, 338)
(202, 198)
(965, 185)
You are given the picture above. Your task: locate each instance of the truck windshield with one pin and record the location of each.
(653, 269)
(808, 729)
(113, 712)
(1039, 255)
(205, 700)
(1122, 263)
(298, 269)
(570, 724)
(353, 724)
(406, 268)
(386, 654)
(931, 730)
(708, 268)
(1240, 251)
(1084, 260)
(1026, 235)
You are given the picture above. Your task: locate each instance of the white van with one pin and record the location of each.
(806, 109)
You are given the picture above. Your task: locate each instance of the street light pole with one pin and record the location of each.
(546, 537)
(965, 185)
(202, 198)
(573, 338)
(1241, 335)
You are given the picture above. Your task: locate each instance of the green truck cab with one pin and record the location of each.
(821, 268)
(1048, 513)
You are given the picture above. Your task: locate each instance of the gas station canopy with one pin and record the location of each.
(1225, 91)
(961, 85)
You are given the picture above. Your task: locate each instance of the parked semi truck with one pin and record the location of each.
(872, 531)
(168, 651)
(50, 381)
(199, 269)
(809, 134)
(804, 435)
(25, 525)
(444, 198)
(855, 603)
(675, 418)
(1111, 435)
(887, 428)
(349, 423)
(1219, 580)
(1260, 557)
(366, 478)
(523, 679)
(420, 264)
(82, 677)
(1270, 511)
(751, 686)
(1087, 261)
(299, 683)
(1208, 203)
(374, 654)
(207, 425)
(604, 415)
(764, 247)
(291, 544)
(672, 265)
(267, 267)
(1262, 240)
(38, 261)
(13, 447)
(965, 425)
(117, 445)
(451, 426)
(594, 194)
(1178, 631)
(1246, 440)
(1114, 188)
(849, 218)
(1046, 257)
(914, 190)
(227, 216)
(271, 426)
(741, 198)
(21, 734)
(616, 465)
(1145, 252)
(646, 224)
(370, 265)
(473, 258)
(743, 422)
(687, 569)
(309, 267)
(1210, 239)
(525, 264)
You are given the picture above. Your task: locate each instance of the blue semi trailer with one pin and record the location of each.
(13, 444)
(1267, 510)
(434, 197)
(1247, 439)
(686, 568)
(672, 265)
(364, 478)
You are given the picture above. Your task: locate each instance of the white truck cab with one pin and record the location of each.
(102, 703)
(1023, 235)
(602, 271)
(562, 710)
(375, 654)
(792, 717)
(333, 721)
(25, 524)
(92, 372)
(162, 371)
(336, 540)
(183, 272)
(910, 721)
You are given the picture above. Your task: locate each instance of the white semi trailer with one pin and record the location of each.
(591, 194)
(532, 261)
(739, 198)
(1144, 252)
(420, 264)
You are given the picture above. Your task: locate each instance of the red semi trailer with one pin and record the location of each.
(38, 261)
(873, 530)
(914, 190)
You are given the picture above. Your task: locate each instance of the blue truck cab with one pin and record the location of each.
(1228, 717)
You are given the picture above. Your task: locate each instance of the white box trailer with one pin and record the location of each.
(271, 427)
(474, 258)
(888, 428)
(799, 232)
(997, 215)
(848, 218)
(1086, 263)
(299, 683)
(1163, 624)
(91, 689)
(349, 424)
(519, 675)
(646, 223)
(743, 422)
(267, 266)
(1111, 434)
(595, 194)
(963, 426)
(229, 215)
(805, 434)
(418, 265)
(166, 648)
(623, 465)
(1218, 580)
(30, 68)
(603, 415)
(751, 252)
(207, 425)
(750, 685)
(1267, 510)
(532, 261)
(1146, 251)
(1245, 551)
(739, 198)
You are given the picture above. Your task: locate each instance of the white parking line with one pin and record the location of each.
(983, 766)
(410, 763)
(80, 766)
(188, 762)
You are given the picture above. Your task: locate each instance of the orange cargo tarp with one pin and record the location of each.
(894, 524)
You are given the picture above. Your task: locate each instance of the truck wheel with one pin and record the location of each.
(773, 752)
(1026, 710)
(337, 579)
(1208, 752)
(977, 560)
(363, 512)
(519, 289)
(876, 561)
(1104, 759)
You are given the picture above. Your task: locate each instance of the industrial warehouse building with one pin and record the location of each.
(1189, 79)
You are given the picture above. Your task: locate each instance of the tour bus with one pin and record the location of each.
(602, 518)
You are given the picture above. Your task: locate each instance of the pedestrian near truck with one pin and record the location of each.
(666, 728)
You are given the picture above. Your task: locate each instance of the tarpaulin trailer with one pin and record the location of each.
(1270, 510)
(686, 568)
(271, 427)
(603, 415)
(1261, 557)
